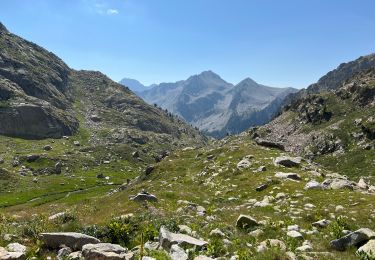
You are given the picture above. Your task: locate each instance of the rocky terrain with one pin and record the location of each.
(335, 128)
(215, 106)
(93, 172)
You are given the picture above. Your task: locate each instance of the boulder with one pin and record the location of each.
(32, 158)
(243, 164)
(362, 184)
(144, 196)
(70, 239)
(269, 243)
(149, 169)
(167, 239)
(75, 255)
(268, 143)
(314, 185)
(177, 253)
(355, 238)
(288, 175)
(64, 253)
(321, 223)
(103, 251)
(203, 257)
(16, 247)
(288, 161)
(245, 221)
(294, 234)
(47, 148)
(56, 216)
(217, 233)
(368, 249)
(5, 255)
(339, 183)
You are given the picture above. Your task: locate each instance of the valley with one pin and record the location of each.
(88, 170)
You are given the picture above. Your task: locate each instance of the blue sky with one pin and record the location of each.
(277, 43)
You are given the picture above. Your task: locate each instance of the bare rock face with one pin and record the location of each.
(33, 86)
(35, 122)
(70, 239)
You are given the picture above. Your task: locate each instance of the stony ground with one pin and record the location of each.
(112, 194)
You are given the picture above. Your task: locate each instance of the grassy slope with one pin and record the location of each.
(176, 178)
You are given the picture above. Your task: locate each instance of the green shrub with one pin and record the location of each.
(338, 225)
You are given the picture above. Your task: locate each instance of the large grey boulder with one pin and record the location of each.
(70, 239)
(167, 239)
(339, 183)
(103, 251)
(288, 161)
(353, 239)
(368, 249)
(245, 221)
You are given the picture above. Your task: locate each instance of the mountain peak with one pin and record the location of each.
(248, 81)
(208, 73)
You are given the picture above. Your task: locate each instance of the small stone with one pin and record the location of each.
(314, 185)
(339, 208)
(321, 223)
(76, 143)
(294, 234)
(47, 148)
(63, 253)
(245, 221)
(217, 232)
(256, 233)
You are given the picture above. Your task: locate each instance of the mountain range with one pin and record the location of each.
(213, 105)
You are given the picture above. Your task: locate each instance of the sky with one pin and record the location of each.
(281, 43)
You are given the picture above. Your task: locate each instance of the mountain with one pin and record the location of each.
(216, 106)
(335, 78)
(41, 97)
(133, 85)
(332, 121)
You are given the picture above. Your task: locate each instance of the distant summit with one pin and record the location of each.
(133, 85)
(215, 106)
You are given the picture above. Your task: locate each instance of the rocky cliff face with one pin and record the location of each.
(33, 83)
